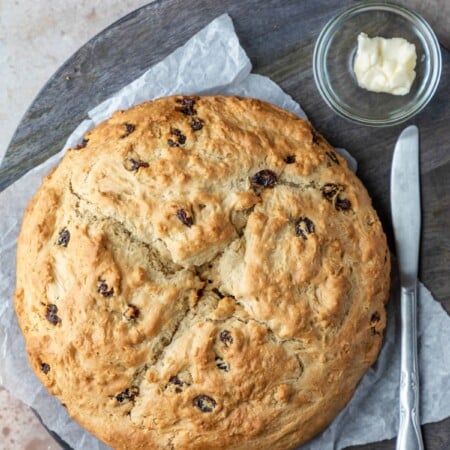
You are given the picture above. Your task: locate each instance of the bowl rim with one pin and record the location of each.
(426, 32)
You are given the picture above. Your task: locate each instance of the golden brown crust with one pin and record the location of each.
(206, 272)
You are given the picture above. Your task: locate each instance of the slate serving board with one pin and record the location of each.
(279, 37)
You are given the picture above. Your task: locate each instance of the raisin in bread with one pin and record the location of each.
(202, 273)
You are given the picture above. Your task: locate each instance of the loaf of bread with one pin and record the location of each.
(202, 273)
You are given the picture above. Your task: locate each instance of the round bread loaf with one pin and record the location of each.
(202, 273)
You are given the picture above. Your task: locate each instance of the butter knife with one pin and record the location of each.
(406, 219)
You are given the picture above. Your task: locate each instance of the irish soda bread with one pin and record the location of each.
(202, 273)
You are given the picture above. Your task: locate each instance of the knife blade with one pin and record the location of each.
(406, 220)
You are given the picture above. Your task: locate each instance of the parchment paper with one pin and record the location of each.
(214, 62)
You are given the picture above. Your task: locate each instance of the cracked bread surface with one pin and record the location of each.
(202, 273)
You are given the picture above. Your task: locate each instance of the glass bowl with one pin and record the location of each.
(335, 51)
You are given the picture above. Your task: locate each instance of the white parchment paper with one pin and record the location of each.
(214, 62)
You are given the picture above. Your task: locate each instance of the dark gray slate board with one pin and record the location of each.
(279, 37)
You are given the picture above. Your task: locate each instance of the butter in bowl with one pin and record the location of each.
(377, 64)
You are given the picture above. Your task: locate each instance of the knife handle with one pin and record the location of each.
(409, 434)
